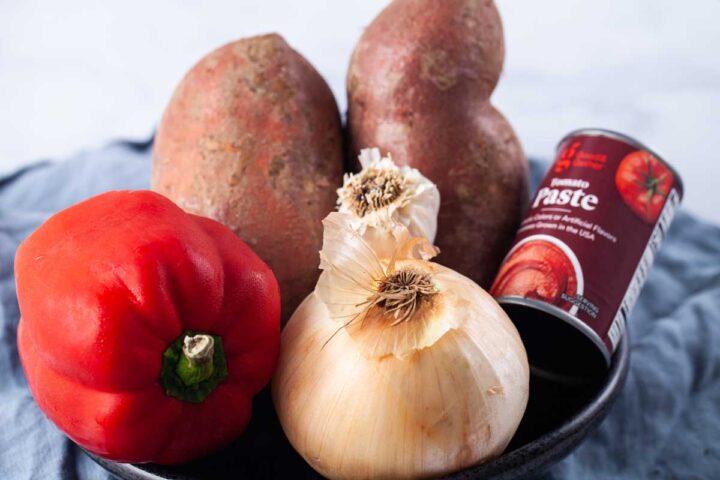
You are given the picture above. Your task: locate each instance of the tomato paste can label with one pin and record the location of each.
(591, 233)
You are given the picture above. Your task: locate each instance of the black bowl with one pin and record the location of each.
(556, 420)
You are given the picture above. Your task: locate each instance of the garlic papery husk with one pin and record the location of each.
(397, 367)
(383, 194)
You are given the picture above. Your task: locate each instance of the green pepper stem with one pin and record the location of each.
(198, 349)
(196, 364)
(193, 365)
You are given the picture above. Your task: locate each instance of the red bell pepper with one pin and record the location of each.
(145, 331)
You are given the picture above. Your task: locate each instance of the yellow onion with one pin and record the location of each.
(397, 367)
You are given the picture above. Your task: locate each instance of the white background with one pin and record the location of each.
(75, 74)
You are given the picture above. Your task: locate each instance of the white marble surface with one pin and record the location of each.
(76, 74)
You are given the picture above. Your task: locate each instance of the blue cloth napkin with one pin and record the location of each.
(665, 424)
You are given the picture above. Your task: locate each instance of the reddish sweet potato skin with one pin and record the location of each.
(252, 138)
(418, 86)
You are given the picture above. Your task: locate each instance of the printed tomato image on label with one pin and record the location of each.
(643, 183)
(583, 250)
(540, 267)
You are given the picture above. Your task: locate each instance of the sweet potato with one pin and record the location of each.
(418, 86)
(252, 138)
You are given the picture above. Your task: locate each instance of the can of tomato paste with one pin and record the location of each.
(583, 251)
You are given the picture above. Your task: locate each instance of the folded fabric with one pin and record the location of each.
(665, 423)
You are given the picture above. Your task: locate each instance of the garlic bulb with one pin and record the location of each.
(383, 194)
(397, 367)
